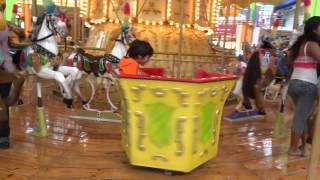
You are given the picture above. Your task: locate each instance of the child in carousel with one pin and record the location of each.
(139, 53)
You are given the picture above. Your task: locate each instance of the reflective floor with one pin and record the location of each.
(84, 149)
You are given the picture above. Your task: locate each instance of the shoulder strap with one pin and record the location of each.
(305, 48)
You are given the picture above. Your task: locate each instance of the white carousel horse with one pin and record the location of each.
(42, 55)
(102, 66)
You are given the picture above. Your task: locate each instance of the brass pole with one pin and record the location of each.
(34, 8)
(246, 24)
(194, 13)
(108, 9)
(180, 37)
(137, 9)
(165, 10)
(315, 151)
(234, 24)
(210, 13)
(296, 15)
(226, 21)
(75, 22)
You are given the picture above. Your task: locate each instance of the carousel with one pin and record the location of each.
(68, 112)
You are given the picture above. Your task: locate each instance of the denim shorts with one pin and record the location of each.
(303, 95)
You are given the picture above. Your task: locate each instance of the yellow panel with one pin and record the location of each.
(169, 122)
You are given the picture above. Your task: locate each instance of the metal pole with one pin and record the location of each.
(194, 13)
(34, 8)
(296, 15)
(247, 24)
(75, 22)
(315, 151)
(165, 10)
(210, 13)
(226, 21)
(180, 37)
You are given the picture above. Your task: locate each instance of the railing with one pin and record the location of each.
(181, 68)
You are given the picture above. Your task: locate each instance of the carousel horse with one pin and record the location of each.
(100, 66)
(104, 66)
(42, 55)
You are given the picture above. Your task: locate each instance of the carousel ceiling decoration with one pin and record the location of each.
(200, 14)
(246, 3)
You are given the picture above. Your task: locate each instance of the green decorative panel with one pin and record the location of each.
(159, 118)
(206, 122)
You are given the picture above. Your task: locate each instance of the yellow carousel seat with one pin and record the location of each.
(172, 123)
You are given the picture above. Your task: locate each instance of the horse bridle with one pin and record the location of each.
(53, 29)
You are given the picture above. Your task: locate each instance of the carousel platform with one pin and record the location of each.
(85, 149)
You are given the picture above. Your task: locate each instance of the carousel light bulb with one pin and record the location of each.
(147, 22)
(117, 21)
(153, 23)
(189, 25)
(111, 20)
(160, 22)
(139, 21)
(171, 23)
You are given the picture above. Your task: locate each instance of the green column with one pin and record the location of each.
(315, 8)
(9, 7)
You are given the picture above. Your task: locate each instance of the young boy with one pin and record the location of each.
(139, 53)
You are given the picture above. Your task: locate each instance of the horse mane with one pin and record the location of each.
(36, 27)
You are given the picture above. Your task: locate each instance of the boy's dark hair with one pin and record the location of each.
(140, 48)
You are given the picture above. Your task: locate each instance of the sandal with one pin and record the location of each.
(304, 151)
(295, 153)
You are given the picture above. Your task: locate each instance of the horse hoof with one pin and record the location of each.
(85, 105)
(68, 102)
(20, 102)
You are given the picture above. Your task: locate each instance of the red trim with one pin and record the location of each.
(216, 77)
(305, 65)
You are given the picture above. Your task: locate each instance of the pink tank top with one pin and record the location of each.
(305, 68)
(305, 61)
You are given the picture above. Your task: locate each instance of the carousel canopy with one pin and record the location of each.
(246, 3)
